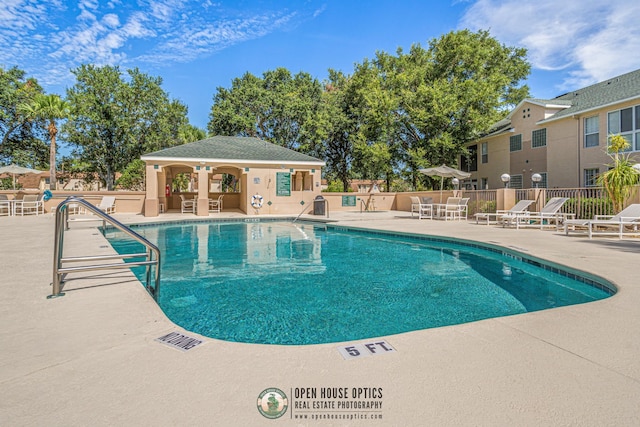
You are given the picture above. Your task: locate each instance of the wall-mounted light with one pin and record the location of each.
(505, 177)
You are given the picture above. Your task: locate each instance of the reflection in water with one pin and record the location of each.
(207, 250)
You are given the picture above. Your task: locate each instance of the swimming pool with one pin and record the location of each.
(304, 283)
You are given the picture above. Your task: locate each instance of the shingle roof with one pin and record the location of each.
(608, 92)
(611, 91)
(228, 148)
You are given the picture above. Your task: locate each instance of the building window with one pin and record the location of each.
(516, 181)
(626, 122)
(485, 152)
(590, 176)
(543, 182)
(515, 143)
(469, 162)
(539, 138)
(591, 131)
(484, 183)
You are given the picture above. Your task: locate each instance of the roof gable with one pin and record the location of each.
(229, 148)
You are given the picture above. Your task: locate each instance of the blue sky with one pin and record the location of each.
(197, 46)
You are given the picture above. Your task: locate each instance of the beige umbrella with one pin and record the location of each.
(17, 170)
(444, 172)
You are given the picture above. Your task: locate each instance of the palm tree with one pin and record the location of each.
(50, 108)
(621, 179)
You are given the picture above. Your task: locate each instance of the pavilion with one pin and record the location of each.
(247, 171)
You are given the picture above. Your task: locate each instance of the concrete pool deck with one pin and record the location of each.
(90, 357)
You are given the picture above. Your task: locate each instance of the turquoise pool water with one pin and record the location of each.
(303, 283)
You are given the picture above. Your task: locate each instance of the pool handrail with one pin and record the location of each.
(62, 224)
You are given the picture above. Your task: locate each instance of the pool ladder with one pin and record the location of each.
(152, 255)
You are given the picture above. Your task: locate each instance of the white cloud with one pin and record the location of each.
(47, 38)
(590, 41)
(111, 20)
(199, 37)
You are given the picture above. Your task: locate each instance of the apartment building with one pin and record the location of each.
(563, 139)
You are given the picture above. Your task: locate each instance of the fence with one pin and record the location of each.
(481, 201)
(583, 202)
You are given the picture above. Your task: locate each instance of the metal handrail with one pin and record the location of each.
(306, 208)
(62, 224)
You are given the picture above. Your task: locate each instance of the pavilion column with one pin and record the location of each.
(203, 190)
(151, 200)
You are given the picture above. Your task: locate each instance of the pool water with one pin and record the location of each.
(304, 283)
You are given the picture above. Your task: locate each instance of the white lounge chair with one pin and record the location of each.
(549, 215)
(518, 209)
(627, 222)
(187, 205)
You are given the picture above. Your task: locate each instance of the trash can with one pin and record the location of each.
(318, 206)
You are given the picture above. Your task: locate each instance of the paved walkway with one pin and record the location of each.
(90, 357)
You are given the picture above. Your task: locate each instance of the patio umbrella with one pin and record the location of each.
(17, 170)
(444, 172)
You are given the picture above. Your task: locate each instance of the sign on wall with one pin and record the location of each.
(283, 184)
(348, 200)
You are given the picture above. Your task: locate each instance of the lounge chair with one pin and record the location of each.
(107, 204)
(627, 222)
(549, 215)
(518, 209)
(215, 205)
(187, 205)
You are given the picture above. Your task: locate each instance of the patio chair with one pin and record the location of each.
(107, 204)
(187, 205)
(5, 205)
(424, 210)
(518, 209)
(463, 207)
(451, 209)
(215, 205)
(549, 215)
(31, 204)
(627, 222)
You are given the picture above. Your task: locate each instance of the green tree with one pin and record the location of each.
(427, 103)
(116, 119)
(278, 108)
(180, 182)
(17, 134)
(190, 133)
(621, 179)
(336, 130)
(133, 176)
(50, 108)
